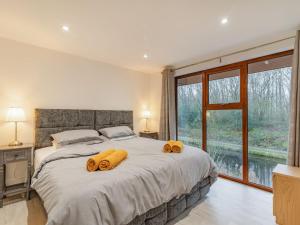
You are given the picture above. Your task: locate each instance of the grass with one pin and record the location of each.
(262, 142)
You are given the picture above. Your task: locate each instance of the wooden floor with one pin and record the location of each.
(227, 203)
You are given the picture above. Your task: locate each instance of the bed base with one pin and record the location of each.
(173, 209)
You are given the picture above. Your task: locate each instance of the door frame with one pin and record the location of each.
(242, 105)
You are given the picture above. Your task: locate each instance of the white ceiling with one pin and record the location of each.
(121, 31)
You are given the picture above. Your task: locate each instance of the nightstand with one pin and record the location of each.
(10, 154)
(149, 134)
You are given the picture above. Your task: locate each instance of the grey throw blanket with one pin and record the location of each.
(145, 180)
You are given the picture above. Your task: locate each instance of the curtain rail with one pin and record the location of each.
(234, 53)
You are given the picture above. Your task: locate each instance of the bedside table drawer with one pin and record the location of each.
(15, 155)
(153, 135)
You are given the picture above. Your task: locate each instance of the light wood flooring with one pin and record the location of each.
(227, 203)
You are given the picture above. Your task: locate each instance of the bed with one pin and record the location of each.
(149, 188)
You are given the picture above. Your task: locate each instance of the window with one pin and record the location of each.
(268, 115)
(189, 117)
(239, 115)
(224, 87)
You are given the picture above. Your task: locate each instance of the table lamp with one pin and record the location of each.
(15, 115)
(146, 116)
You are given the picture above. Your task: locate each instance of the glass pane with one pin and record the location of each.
(224, 140)
(268, 116)
(189, 103)
(224, 87)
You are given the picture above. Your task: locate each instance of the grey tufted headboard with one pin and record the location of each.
(111, 118)
(50, 121)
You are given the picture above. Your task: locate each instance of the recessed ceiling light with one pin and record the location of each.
(267, 62)
(65, 28)
(145, 56)
(224, 20)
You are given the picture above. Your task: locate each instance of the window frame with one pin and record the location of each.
(242, 105)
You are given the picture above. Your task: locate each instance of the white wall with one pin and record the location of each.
(32, 77)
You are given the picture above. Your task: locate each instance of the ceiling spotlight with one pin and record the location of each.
(224, 21)
(267, 62)
(145, 56)
(65, 28)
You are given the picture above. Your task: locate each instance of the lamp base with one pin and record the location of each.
(15, 143)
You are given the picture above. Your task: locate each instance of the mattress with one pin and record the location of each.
(147, 180)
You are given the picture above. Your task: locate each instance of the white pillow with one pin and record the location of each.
(124, 138)
(74, 136)
(116, 132)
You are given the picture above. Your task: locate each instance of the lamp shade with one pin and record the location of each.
(15, 115)
(146, 114)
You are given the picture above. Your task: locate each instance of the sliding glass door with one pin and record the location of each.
(268, 115)
(239, 115)
(224, 141)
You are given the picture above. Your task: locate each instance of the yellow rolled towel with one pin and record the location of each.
(112, 160)
(177, 146)
(168, 146)
(93, 162)
(173, 146)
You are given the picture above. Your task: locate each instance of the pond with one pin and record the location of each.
(260, 167)
(228, 157)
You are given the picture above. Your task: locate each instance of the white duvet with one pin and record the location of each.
(145, 180)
